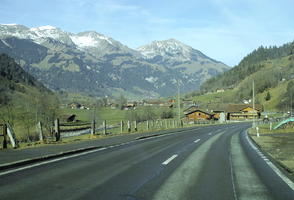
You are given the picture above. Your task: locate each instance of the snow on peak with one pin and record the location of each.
(49, 32)
(43, 28)
(9, 24)
(89, 39)
(84, 41)
(166, 48)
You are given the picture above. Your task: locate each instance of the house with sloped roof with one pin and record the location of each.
(198, 114)
(243, 111)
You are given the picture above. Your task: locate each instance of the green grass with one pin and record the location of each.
(215, 98)
(278, 143)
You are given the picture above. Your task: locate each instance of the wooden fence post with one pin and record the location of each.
(104, 127)
(121, 126)
(4, 136)
(56, 129)
(136, 128)
(129, 126)
(40, 131)
(174, 123)
(147, 125)
(93, 127)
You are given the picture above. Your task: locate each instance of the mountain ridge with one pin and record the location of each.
(102, 61)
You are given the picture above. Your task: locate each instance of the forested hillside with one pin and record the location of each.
(271, 69)
(252, 63)
(23, 100)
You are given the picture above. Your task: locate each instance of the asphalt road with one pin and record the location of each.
(215, 162)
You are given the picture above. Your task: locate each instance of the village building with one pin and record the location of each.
(154, 103)
(198, 114)
(74, 105)
(129, 106)
(191, 108)
(171, 101)
(243, 111)
(220, 90)
(227, 111)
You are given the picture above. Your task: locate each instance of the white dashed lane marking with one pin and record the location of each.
(197, 140)
(170, 159)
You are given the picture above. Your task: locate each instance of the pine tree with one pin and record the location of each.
(268, 96)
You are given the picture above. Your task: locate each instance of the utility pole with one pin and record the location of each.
(253, 102)
(179, 103)
(291, 104)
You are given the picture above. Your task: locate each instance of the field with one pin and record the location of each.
(26, 131)
(112, 116)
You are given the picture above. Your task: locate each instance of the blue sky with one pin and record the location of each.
(226, 30)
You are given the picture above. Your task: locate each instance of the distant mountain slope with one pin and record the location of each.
(14, 81)
(94, 64)
(272, 69)
(13, 74)
(175, 55)
(250, 64)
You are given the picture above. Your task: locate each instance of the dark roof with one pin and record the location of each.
(198, 110)
(238, 107)
(191, 108)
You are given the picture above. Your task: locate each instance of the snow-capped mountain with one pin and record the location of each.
(168, 49)
(98, 44)
(92, 63)
(173, 52)
(86, 40)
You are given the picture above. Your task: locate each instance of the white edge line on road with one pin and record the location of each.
(170, 159)
(271, 165)
(84, 153)
(50, 161)
(197, 140)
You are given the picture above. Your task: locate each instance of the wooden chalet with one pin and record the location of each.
(198, 114)
(243, 111)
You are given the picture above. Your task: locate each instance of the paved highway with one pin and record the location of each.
(213, 162)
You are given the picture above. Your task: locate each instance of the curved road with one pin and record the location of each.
(213, 162)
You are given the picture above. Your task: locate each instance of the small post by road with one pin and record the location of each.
(129, 126)
(165, 123)
(121, 126)
(136, 128)
(147, 125)
(104, 127)
(161, 124)
(56, 130)
(257, 131)
(12, 136)
(182, 123)
(174, 123)
(40, 131)
(4, 136)
(271, 125)
(93, 127)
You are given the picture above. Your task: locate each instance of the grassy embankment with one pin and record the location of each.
(277, 143)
